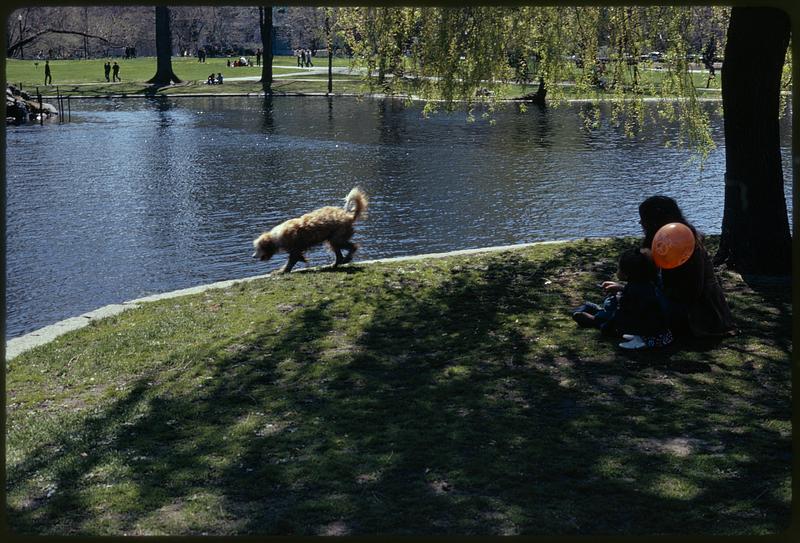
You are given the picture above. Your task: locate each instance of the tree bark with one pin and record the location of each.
(755, 225)
(538, 97)
(164, 74)
(265, 23)
(330, 52)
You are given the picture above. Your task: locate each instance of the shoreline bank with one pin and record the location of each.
(372, 96)
(18, 345)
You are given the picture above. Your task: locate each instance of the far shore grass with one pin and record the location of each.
(438, 396)
(85, 78)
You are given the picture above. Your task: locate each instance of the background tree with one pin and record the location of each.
(755, 225)
(329, 25)
(60, 32)
(470, 55)
(164, 73)
(189, 27)
(265, 24)
(305, 27)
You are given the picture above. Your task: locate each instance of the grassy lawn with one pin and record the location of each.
(445, 396)
(137, 71)
(85, 78)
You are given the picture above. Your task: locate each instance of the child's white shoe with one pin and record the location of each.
(632, 342)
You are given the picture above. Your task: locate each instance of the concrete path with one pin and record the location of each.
(313, 70)
(17, 346)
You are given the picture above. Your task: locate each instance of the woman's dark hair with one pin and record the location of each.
(657, 211)
(636, 266)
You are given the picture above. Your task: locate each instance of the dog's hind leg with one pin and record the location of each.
(351, 248)
(339, 258)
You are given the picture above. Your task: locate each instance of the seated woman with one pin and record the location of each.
(695, 302)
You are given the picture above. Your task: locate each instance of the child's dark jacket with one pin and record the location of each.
(641, 311)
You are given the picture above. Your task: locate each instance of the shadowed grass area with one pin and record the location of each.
(444, 396)
(279, 86)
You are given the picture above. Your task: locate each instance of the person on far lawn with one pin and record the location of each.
(309, 64)
(115, 75)
(258, 57)
(107, 71)
(638, 312)
(300, 60)
(303, 58)
(48, 76)
(219, 78)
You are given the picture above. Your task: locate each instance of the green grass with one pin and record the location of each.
(85, 78)
(446, 396)
(87, 75)
(284, 85)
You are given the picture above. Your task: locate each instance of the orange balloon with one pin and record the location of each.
(673, 244)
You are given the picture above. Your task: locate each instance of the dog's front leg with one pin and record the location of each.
(294, 258)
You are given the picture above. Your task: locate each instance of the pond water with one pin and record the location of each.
(135, 197)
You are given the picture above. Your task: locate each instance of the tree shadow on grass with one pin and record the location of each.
(469, 405)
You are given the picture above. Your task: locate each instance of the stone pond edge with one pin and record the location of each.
(16, 346)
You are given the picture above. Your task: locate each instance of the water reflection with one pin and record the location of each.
(165, 193)
(268, 114)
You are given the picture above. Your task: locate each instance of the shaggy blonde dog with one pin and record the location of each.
(331, 224)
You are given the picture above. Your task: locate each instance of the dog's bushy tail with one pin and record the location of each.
(359, 198)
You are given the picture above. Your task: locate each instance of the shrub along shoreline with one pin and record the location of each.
(455, 392)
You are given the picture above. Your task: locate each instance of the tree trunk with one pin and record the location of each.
(755, 225)
(538, 97)
(164, 74)
(330, 52)
(265, 22)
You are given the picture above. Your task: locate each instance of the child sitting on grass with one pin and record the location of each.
(635, 312)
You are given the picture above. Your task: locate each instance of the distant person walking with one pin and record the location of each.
(258, 57)
(309, 64)
(115, 69)
(301, 58)
(107, 71)
(48, 76)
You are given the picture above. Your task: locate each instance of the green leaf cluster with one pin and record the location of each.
(465, 56)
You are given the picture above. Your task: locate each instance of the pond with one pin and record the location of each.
(135, 197)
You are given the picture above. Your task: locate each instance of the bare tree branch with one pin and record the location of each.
(26, 41)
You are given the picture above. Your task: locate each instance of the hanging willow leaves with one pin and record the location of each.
(466, 56)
